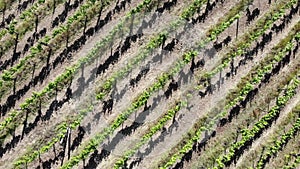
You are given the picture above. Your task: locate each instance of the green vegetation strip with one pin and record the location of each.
(154, 43)
(293, 165)
(265, 65)
(62, 129)
(59, 35)
(261, 125)
(262, 25)
(39, 8)
(6, 4)
(279, 143)
(288, 156)
(148, 134)
(248, 82)
(289, 162)
(258, 72)
(286, 122)
(262, 69)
